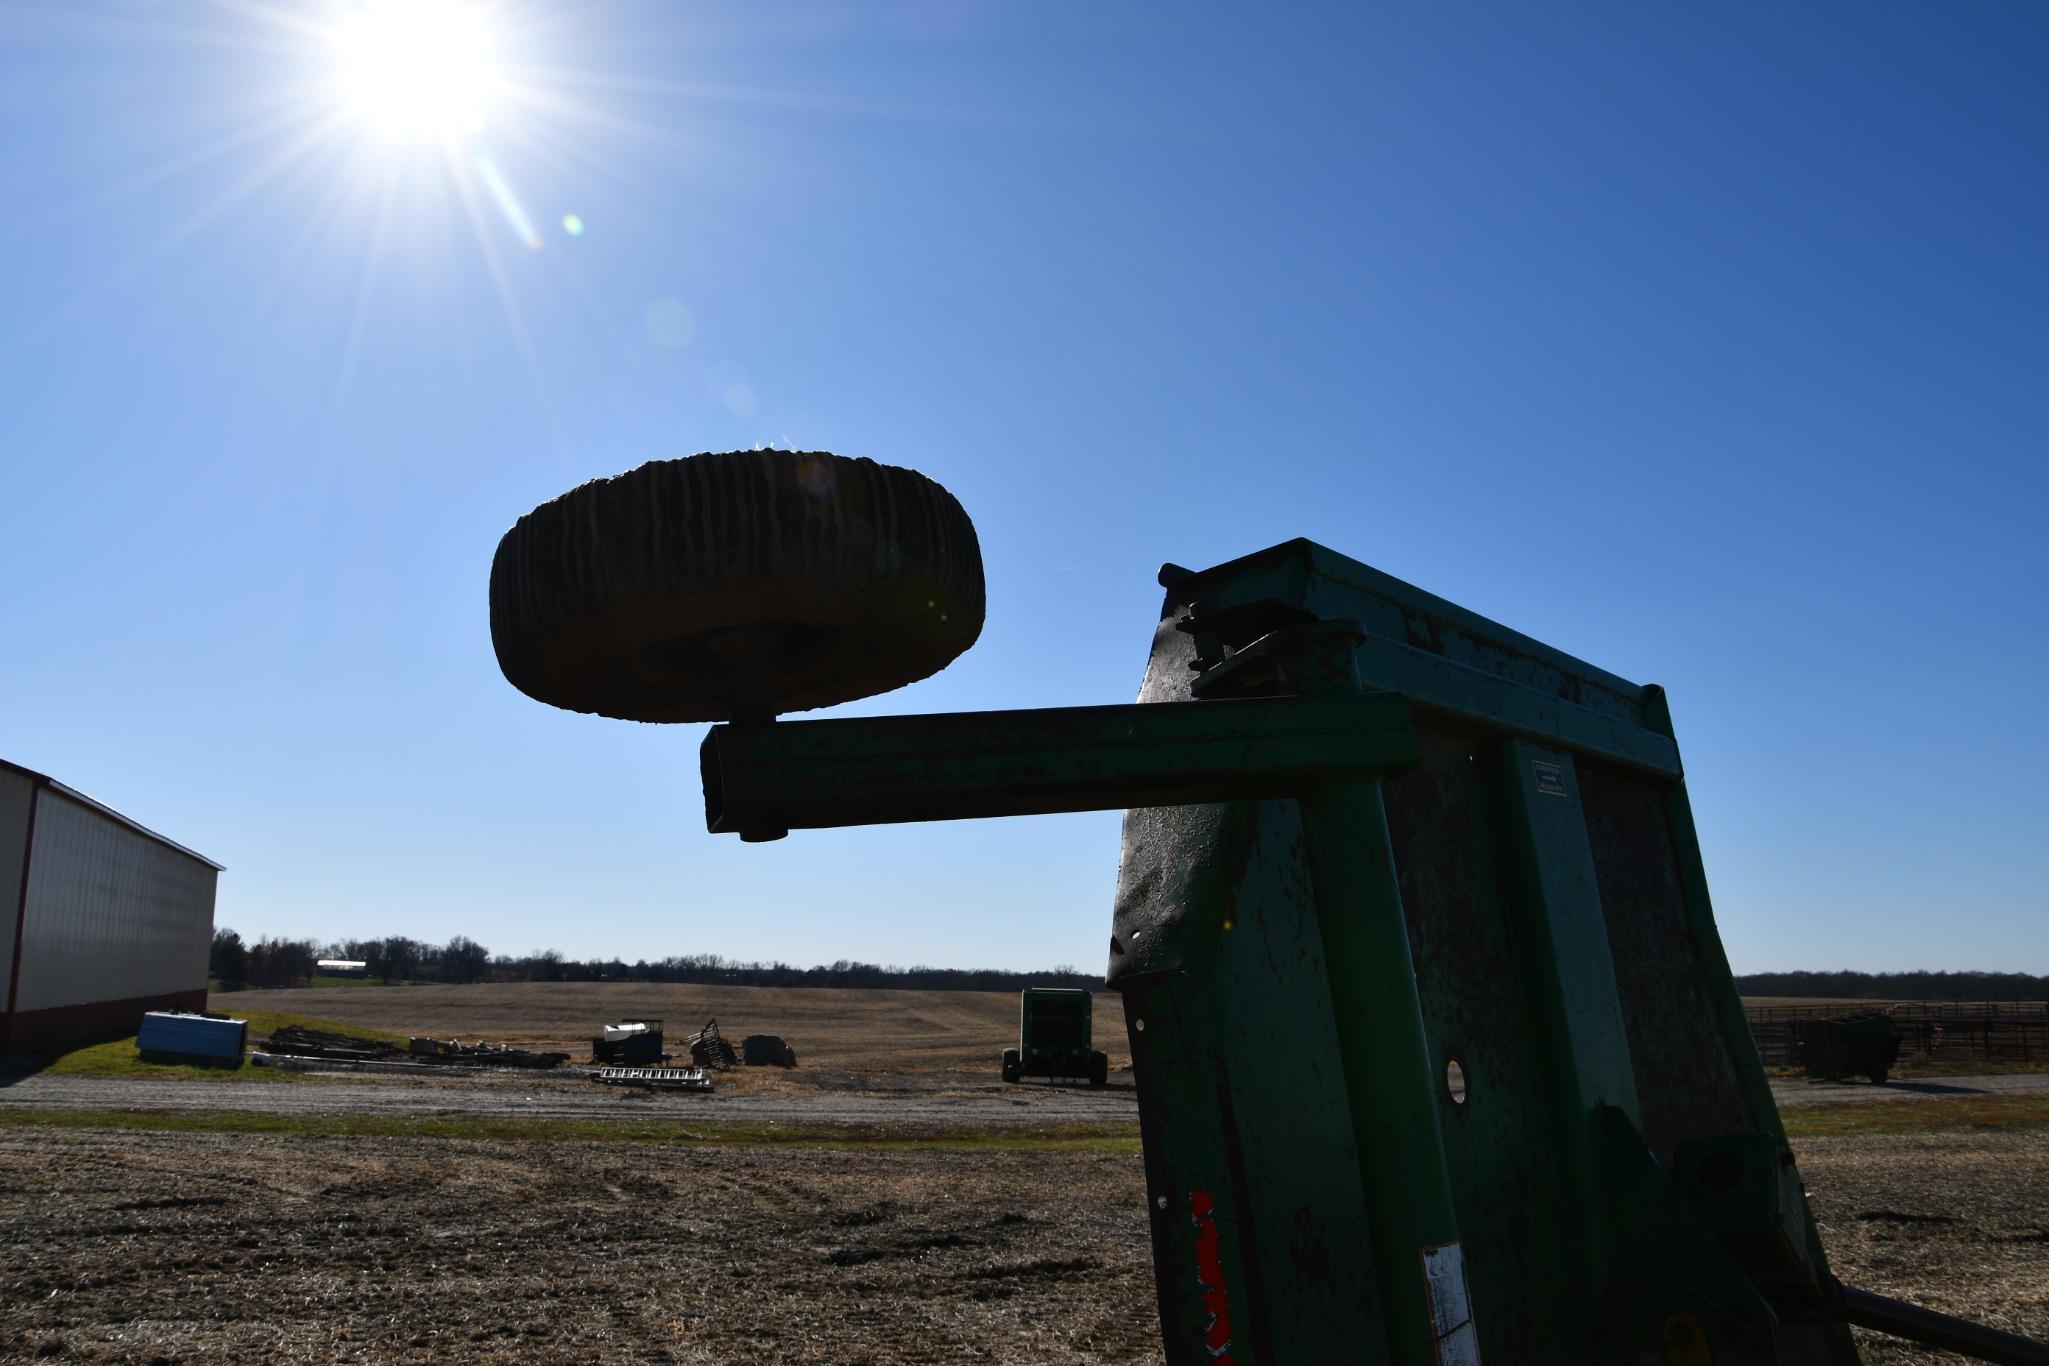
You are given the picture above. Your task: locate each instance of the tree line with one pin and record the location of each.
(273, 962)
(1898, 986)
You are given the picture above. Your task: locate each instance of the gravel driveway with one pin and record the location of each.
(572, 1095)
(891, 1100)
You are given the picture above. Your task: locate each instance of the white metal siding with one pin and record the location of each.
(17, 790)
(112, 914)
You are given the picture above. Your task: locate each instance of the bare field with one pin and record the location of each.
(195, 1246)
(948, 1033)
(208, 1247)
(890, 1200)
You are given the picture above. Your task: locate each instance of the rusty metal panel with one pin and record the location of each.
(112, 913)
(1686, 1082)
(1474, 982)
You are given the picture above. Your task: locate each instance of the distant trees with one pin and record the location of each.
(1898, 986)
(368, 952)
(228, 963)
(396, 958)
(280, 963)
(463, 959)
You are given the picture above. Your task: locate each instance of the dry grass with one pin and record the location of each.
(1956, 1219)
(119, 1058)
(1968, 1113)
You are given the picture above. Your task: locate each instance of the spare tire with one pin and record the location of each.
(843, 577)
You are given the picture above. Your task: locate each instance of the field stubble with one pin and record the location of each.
(202, 1246)
(236, 1247)
(313, 1245)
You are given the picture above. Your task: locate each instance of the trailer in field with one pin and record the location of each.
(1055, 1037)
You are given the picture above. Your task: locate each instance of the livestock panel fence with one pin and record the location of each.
(1930, 1031)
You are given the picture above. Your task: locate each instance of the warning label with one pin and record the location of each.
(1451, 1310)
(1550, 779)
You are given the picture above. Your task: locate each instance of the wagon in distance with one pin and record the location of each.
(1055, 1028)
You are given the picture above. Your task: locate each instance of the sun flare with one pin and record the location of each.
(418, 68)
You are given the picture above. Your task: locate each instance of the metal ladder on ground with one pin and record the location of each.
(664, 1078)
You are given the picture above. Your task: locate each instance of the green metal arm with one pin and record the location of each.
(764, 779)
(1323, 742)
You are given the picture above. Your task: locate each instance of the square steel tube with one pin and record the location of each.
(765, 777)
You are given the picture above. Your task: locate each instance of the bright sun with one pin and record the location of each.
(418, 68)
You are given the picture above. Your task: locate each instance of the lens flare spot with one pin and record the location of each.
(727, 385)
(670, 323)
(572, 225)
(507, 202)
(816, 479)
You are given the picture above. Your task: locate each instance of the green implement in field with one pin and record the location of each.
(1865, 1044)
(1056, 1037)
(1438, 1056)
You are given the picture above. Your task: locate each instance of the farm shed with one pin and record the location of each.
(101, 919)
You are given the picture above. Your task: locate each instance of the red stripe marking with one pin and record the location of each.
(1209, 1273)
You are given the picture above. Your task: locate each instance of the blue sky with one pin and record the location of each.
(1704, 342)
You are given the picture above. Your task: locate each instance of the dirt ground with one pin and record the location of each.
(200, 1247)
(1955, 1220)
(189, 1247)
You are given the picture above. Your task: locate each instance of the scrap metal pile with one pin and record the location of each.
(480, 1054)
(299, 1042)
(708, 1048)
(710, 1051)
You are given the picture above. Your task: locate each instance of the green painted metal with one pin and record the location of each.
(1390, 1086)
(1745, 1189)
(1055, 1034)
(1559, 962)
(813, 774)
(1438, 1054)
(1390, 1082)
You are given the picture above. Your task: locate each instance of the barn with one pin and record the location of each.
(101, 918)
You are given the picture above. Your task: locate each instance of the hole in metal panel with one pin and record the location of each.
(1455, 1081)
(1139, 1025)
(1160, 1201)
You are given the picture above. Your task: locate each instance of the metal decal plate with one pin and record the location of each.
(1451, 1309)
